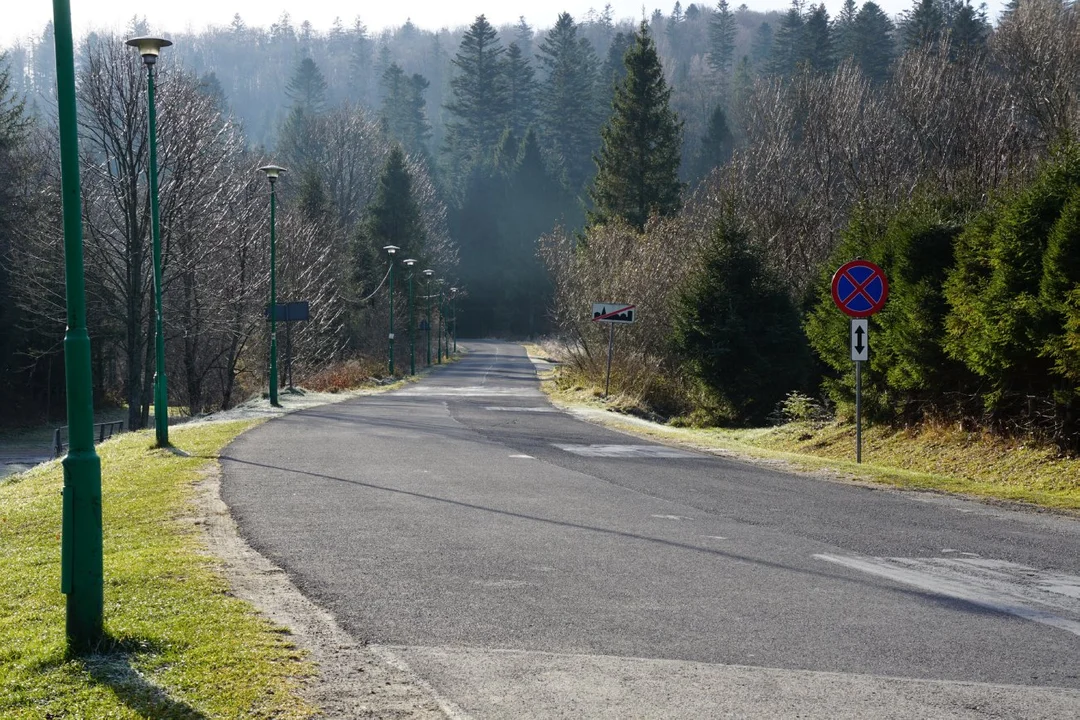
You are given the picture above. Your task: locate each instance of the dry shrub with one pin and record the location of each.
(344, 375)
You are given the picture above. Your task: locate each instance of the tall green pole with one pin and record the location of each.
(161, 392)
(273, 296)
(412, 335)
(439, 356)
(427, 288)
(391, 315)
(453, 327)
(81, 547)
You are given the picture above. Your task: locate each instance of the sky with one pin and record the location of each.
(21, 19)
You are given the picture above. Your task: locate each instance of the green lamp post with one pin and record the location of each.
(390, 250)
(273, 172)
(453, 319)
(81, 574)
(427, 285)
(442, 324)
(409, 262)
(150, 48)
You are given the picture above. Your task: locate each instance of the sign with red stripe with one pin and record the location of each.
(860, 289)
(613, 312)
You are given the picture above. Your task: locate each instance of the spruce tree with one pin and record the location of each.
(788, 44)
(761, 46)
(722, 31)
(716, 146)
(638, 166)
(817, 53)
(568, 102)
(307, 90)
(393, 218)
(923, 25)
(873, 45)
(478, 106)
(844, 31)
(969, 30)
(521, 89)
(307, 87)
(403, 109)
(614, 68)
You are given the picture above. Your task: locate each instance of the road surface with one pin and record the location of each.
(528, 564)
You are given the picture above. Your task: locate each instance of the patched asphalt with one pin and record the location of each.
(464, 513)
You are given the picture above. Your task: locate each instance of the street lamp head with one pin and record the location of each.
(149, 47)
(391, 249)
(453, 289)
(272, 172)
(428, 273)
(408, 262)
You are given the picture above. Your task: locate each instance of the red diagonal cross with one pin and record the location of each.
(860, 289)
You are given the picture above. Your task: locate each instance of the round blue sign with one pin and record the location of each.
(859, 288)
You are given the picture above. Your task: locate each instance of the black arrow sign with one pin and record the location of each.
(858, 340)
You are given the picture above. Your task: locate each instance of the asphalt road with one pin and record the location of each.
(528, 564)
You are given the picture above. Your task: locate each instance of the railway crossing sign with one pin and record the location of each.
(860, 289)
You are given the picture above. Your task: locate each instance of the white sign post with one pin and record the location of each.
(860, 353)
(613, 314)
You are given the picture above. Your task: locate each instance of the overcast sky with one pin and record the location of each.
(20, 19)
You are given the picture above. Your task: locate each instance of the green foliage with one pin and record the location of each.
(872, 42)
(568, 100)
(521, 89)
(479, 102)
(717, 145)
(1016, 268)
(394, 217)
(638, 166)
(403, 109)
(738, 331)
(908, 370)
(722, 30)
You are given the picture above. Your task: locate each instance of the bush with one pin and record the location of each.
(738, 331)
(908, 371)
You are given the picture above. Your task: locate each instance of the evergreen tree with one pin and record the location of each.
(393, 218)
(521, 89)
(307, 88)
(722, 30)
(614, 68)
(923, 25)
(818, 52)
(479, 104)
(403, 109)
(638, 165)
(738, 332)
(844, 31)
(788, 45)
(716, 146)
(568, 100)
(360, 61)
(762, 45)
(873, 45)
(969, 30)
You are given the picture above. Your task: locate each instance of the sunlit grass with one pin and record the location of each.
(179, 645)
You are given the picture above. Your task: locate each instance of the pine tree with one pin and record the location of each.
(403, 109)
(614, 69)
(360, 62)
(568, 103)
(521, 89)
(479, 102)
(762, 45)
(722, 31)
(787, 46)
(716, 146)
(872, 46)
(969, 30)
(638, 165)
(393, 218)
(844, 31)
(923, 25)
(817, 43)
(307, 88)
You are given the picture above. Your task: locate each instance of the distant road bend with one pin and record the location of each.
(530, 565)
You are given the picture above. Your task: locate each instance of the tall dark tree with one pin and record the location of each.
(568, 105)
(969, 30)
(614, 69)
(844, 31)
(761, 46)
(307, 91)
(638, 166)
(923, 25)
(478, 104)
(393, 218)
(403, 109)
(722, 31)
(717, 145)
(872, 45)
(788, 44)
(818, 52)
(521, 89)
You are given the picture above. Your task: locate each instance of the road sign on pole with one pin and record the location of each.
(859, 289)
(622, 313)
(613, 314)
(860, 340)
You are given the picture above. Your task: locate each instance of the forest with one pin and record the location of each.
(710, 163)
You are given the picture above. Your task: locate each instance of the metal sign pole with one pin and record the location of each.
(858, 411)
(610, 349)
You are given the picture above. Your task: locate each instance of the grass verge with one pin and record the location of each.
(178, 644)
(934, 457)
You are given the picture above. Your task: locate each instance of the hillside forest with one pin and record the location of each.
(711, 164)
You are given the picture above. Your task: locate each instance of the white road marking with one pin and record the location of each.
(672, 517)
(526, 457)
(626, 451)
(470, 391)
(1042, 596)
(522, 409)
(715, 537)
